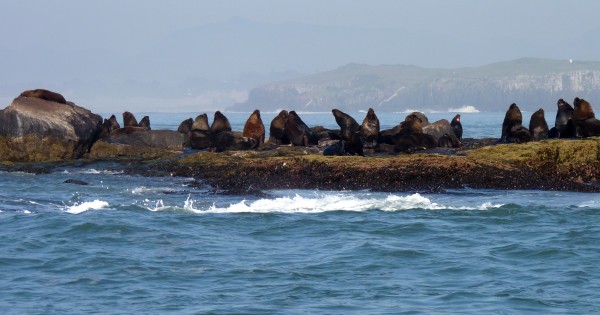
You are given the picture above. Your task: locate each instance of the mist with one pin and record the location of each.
(206, 55)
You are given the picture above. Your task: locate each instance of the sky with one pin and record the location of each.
(185, 55)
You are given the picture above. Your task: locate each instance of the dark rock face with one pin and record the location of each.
(35, 129)
(138, 136)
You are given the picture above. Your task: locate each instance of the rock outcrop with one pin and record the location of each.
(35, 129)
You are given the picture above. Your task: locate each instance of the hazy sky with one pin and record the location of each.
(73, 45)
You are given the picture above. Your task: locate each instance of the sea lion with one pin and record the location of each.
(324, 134)
(145, 123)
(348, 125)
(108, 126)
(200, 133)
(538, 126)
(129, 120)
(298, 132)
(584, 119)
(409, 143)
(335, 149)
(369, 129)
(200, 123)
(186, 126)
(423, 120)
(354, 146)
(448, 140)
(564, 120)
(45, 95)
(457, 126)
(411, 124)
(114, 124)
(513, 118)
(438, 128)
(254, 128)
(220, 123)
(277, 129)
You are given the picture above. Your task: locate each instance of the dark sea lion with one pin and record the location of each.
(229, 140)
(564, 120)
(519, 134)
(145, 123)
(411, 124)
(457, 126)
(45, 95)
(538, 126)
(220, 123)
(200, 133)
(438, 128)
(200, 123)
(298, 132)
(513, 118)
(76, 182)
(324, 134)
(129, 120)
(348, 125)
(254, 127)
(448, 140)
(584, 119)
(417, 141)
(114, 124)
(423, 120)
(335, 149)
(354, 146)
(186, 126)
(277, 129)
(370, 127)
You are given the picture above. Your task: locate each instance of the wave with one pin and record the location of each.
(85, 206)
(324, 203)
(464, 109)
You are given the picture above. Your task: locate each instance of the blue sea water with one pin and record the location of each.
(128, 244)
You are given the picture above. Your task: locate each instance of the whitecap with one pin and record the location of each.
(464, 109)
(88, 205)
(335, 202)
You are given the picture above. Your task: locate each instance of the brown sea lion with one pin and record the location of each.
(186, 126)
(45, 95)
(220, 123)
(354, 146)
(254, 127)
(370, 127)
(538, 126)
(457, 126)
(200, 123)
(417, 141)
(145, 123)
(298, 132)
(277, 129)
(348, 125)
(584, 119)
(129, 120)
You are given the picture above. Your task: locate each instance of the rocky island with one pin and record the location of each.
(40, 131)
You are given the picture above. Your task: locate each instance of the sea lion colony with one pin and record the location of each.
(413, 134)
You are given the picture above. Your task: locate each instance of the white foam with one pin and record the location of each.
(88, 205)
(334, 202)
(464, 109)
(103, 172)
(151, 190)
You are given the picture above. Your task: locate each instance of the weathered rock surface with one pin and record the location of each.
(33, 129)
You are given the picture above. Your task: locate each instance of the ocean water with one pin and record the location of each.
(127, 244)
